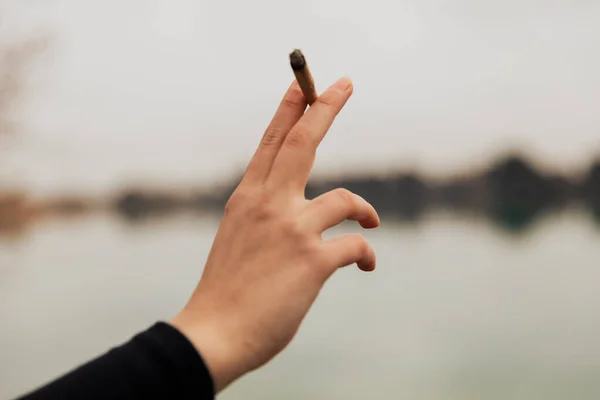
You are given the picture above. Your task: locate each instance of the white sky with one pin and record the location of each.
(181, 90)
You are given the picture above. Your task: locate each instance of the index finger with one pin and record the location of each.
(288, 113)
(294, 161)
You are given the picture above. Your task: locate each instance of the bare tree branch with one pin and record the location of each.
(14, 60)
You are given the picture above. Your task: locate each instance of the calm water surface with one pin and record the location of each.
(455, 310)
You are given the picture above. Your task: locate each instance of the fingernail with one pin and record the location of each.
(342, 84)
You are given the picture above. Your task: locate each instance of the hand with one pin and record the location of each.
(269, 261)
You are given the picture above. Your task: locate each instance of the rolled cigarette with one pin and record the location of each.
(303, 76)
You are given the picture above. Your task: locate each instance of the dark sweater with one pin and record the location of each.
(159, 363)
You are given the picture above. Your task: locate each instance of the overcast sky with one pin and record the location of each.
(181, 90)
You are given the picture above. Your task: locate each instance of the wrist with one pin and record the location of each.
(213, 347)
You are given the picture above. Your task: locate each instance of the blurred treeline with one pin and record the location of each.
(511, 192)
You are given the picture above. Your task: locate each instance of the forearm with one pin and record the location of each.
(157, 363)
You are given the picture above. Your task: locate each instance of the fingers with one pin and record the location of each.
(336, 206)
(288, 113)
(349, 249)
(295, 158)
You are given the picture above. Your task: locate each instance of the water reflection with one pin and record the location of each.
(456, 309)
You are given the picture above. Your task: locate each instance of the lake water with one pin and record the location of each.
(457, 309)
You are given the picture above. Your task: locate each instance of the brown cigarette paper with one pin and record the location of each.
(303, 76)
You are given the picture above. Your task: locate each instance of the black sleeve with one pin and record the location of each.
(159, 363)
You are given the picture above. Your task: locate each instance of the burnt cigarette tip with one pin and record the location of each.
(297, 60)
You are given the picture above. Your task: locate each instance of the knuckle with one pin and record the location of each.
(261, 207)
(314, 254)
(310, 249)
(345, 197)
(291, 229)
(229, 208)
(293, 99)
(237, 199)
(271, 137)
(362, 246)
(329, 99)
(300, 136)
(355, 242)
(260, 212)
(314, 248)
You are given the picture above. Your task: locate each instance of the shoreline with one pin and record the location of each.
(512, 192)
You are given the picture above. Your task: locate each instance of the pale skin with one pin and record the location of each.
(269, 261)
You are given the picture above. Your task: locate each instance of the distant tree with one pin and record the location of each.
(16, 57)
